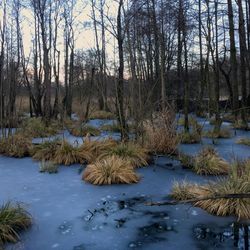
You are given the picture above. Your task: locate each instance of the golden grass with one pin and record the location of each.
(66, 154)
(130, 152)
(186, 191)
(110, 170)
(238, 182)
(46, 150)
(101, 114)
(160, 133)
(244, 141)
(13, 219)
(16, 146)
(84, 131)
(208, 162)
(48, 167)
(187, 161)
(96, 148)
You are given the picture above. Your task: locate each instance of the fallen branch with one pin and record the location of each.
(174, 202)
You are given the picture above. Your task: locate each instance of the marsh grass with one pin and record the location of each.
(238, 182)
(96, 148)
(35, 127)
(131, 152)
(101, 114)
(208, 162)
(244, 141)
(187, 161)
(160, 133)
(13, 219)
(239, 124)
(223, 133)
(66, 154)
(190, 137)
(111, 128)
(110, 170)
(48, 167)
(15, 146)
(46, 150)
(85, 130)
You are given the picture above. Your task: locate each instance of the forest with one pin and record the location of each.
(124, 120)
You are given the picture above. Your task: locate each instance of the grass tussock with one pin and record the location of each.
(190, 137)
(239, 124)
(131, 152)
(208, 162)
(35, 127)
(244, 141)
(15, 146)
(48, 167)
(187, 161)
(115, 127)
(223, 133)
(46, 150)
(13, 219)
(101, 114)
(85, 130)
(110, 170)
(160, 133)
(186, 191)
(66, 154)
(96, 148)
(238, 182)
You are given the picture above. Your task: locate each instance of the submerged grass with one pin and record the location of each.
(244, 141)
(13, 219)
(48, 167)
(223, 133)
(101, 114)
(190, 137)
(110, 170)
(85, 130)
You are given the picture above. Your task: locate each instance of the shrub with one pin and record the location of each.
(48, 167)
(13, 219)
(131, 152)
(96, 148)
(85, 130)
(110, 170)
(67, 154)
(160, 133)
(101, 114)
(15, 146)
(208, 162)
(244, 141)
(46, 150)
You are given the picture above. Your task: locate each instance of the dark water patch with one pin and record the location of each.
(152, 233)
(130, 203)
(235, 236)
(79, 247)
(157, 215)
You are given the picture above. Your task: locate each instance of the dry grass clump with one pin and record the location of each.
(13, 219)
(66, 154)
(160, 133)
(110, 170)
(35, 127)
(101, 114)
(48, 167)
(46, 150)
(208, 162)
(186, 191)
(187, 161)
(96, 148)
(238, 183)
(190, 137)
(223, 133)
(131, 152)
(244, 141)
(85, 130)
(16, 146)
(239, 124)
